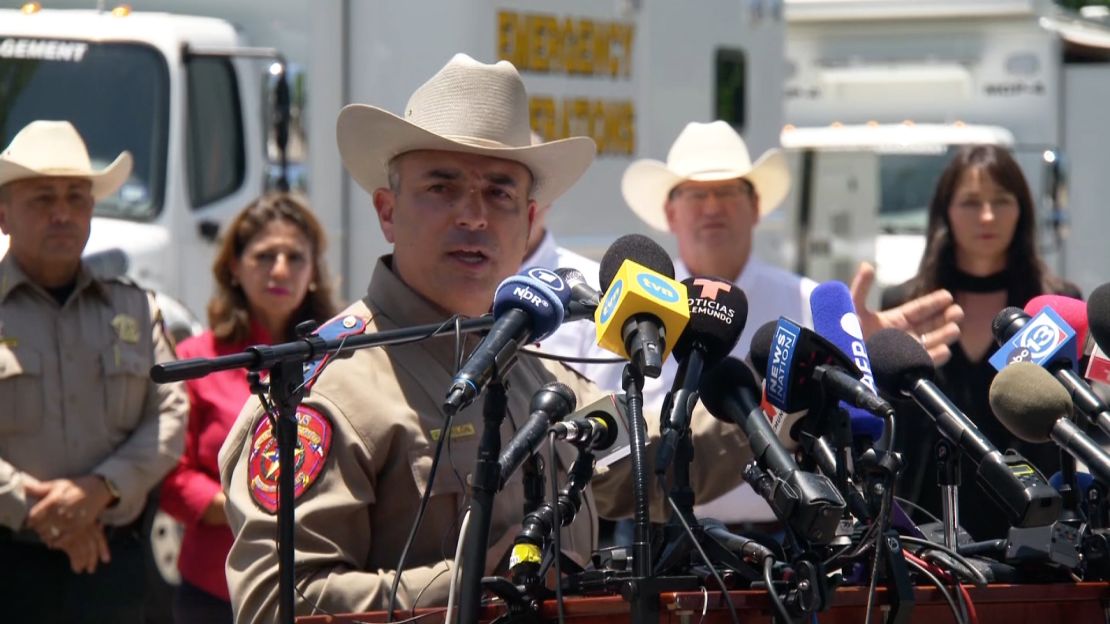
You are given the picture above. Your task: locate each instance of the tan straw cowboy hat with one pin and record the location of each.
(703, 152)
(54, 149)
(466, 107)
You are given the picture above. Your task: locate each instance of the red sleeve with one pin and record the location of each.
(188, 490)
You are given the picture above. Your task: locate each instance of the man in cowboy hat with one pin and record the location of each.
(710, 195)
(455, 184)
(84, 434)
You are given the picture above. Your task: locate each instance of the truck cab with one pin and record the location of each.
(147, 83)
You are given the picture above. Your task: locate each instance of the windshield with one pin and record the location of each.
(115, 94)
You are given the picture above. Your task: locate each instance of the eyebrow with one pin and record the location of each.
(496, 177)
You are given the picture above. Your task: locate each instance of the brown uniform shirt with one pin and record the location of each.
(384, 405)
(76, 394)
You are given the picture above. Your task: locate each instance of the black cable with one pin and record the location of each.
(705, 558)
(444, 436)
(935, 560)
(913, 505)
(768, 565)
(571, 359)
(941, 587)
(558, 522)
(980, 580)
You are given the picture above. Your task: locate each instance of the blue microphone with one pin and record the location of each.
(834, 318)
(527, 307)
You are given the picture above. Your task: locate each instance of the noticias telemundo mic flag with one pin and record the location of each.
(1044, 338)
(636, 289)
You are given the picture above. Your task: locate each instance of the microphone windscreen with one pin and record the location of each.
(1073, 311)
(835, 318)
(545, 307)
(1028, 401)
(639, 249)
(726, 376)
(1098, 316)
(761, 345)
(898, 360)
(718, 311)
(1007, 323)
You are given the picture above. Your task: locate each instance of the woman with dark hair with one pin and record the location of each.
(270, 276)
(981, 246)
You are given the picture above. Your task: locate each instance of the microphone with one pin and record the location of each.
(803, 367)
(643, 305)
(786, 425)
(1098, 316)
(1048, 341)
(902, 365)
(807, 502)
(834, 317)
(1098, 337)
(1029, 402)
(596, 431)
(526, 309)
(549, 404)
(584, 299)
(718, 312)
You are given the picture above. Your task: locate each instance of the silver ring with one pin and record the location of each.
(921, 339)
(54, 532)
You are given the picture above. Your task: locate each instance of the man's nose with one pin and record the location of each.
(472, 210)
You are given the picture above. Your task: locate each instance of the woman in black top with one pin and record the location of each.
(981, 246)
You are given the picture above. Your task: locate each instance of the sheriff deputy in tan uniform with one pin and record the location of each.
(455, 185)
(84, 434)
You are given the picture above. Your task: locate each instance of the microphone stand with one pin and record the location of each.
(285, 363)
(487, 475)
(641, 590)
(948, 464)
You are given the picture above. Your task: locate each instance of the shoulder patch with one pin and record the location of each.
(339, 327)
(314, 434)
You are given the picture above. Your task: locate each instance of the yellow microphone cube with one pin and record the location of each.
(636, 289)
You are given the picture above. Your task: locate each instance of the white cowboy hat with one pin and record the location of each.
(54, 149)
(466, 107)
(703, 152)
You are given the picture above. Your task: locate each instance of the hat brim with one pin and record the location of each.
(369, 138)
(104, 182)
(647, 182)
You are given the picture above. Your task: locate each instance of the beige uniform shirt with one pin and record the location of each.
(384, 408)
(77, 398)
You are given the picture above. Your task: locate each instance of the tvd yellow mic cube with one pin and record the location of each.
(636, 289)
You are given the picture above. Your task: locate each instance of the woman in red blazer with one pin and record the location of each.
(270, 276)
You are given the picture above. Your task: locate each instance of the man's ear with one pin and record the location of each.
(532, 208)
(668, 211)
(384, 203)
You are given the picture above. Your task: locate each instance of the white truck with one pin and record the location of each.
(180, 94)
(628, 73)
(879, 92)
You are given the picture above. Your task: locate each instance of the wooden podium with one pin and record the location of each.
(1073, 603)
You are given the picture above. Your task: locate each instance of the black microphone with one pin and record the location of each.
(901, 365)
(807, 502)
(549, 404)
(1032, 406)
(718, 312)
(595, 431)
(1012, 320)
(526, 309)
(1098, 316)
(584, 299)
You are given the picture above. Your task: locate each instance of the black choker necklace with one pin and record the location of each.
(979, 284)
